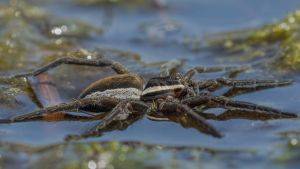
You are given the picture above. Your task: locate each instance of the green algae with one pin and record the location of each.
(28, 33)
(8, 96)
(30, 36)
(281, 40)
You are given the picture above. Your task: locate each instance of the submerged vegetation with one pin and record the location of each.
(279, 41)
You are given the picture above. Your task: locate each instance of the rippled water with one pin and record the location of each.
(137, 30)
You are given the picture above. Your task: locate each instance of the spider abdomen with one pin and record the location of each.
(119, 87)
(114, 82)
(120, 94)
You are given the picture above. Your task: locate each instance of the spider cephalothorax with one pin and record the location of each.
(162, 87)
(121, 99)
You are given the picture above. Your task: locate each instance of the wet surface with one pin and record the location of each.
(154, 34)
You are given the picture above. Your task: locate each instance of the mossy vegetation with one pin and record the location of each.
(279, 41)
(28, 33)
(29, 36)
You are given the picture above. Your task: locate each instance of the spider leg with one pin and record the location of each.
(123, 115)
(248, 86)
(253, 83)
(241, 86)
(119, 68)
(58, 116)
(184, 115)
(226, 103)
(51, 111)
(231, 71)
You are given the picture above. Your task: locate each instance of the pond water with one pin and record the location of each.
(175, 30)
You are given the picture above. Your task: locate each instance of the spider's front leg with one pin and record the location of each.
(181, 113)
(222, 102)
(238, 87)
(231, 71)
(123, 115)
(252, 85)
(116, 66)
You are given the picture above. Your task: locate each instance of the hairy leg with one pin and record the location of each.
(122, 116)
(253, 83)
(75, 105)
(248, 86)
(119, 68)
(241, 86)
(231, 71)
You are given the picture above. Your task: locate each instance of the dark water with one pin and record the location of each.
(192, 19)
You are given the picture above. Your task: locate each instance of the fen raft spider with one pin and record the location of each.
(119, 100)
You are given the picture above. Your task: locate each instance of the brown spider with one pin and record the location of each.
(125, 98)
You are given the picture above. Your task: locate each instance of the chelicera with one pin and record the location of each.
(127, 97)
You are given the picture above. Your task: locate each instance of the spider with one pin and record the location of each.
(126, 97)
